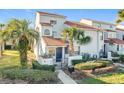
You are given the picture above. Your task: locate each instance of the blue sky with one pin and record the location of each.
(107, 15)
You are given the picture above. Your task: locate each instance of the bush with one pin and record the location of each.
(121, 58)
(115, 54)
(30, 75)
(85, 58)
(38, 66)
(104, 62)
(87, 65)
(92, 65)
(74, 62)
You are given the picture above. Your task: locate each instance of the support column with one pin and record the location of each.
(63, 53)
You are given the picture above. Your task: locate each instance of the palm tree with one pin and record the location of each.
(81, 38)
(120, 16)
(1, 39)
(71, 34)
(20, 32)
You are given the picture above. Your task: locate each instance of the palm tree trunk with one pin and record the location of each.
(23, 58)
(23, 47)
(71, 47)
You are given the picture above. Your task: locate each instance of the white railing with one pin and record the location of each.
(46, 61)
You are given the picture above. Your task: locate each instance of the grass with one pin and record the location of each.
(112, 78)
(10, 60)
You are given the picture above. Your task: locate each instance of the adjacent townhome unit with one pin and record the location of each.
(113, 36)
(51, 49)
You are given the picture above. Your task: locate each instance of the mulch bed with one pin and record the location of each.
(79, 75)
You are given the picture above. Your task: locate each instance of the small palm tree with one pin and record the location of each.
(68, 35)
(71, 34)
(81, 38)
(20, 32)
(120, 16)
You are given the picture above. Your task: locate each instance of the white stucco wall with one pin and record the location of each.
(94, 46)
(120, 34)
(58, 27)
(112, 34)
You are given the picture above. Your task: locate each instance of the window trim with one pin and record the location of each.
(46, 34)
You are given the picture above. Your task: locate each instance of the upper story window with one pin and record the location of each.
(46, 32)
(53, 22)
(54, 34)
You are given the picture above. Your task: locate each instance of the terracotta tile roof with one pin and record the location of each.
(52, 14)
(45, 24)
(114, 40)
(81, 25)
(120, 29)
(99, 21)
(108, 30)
(50, 41)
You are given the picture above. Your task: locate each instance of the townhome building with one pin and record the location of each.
(51, 49)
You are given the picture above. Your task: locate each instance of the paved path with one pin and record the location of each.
(65, 78)
(119, 64)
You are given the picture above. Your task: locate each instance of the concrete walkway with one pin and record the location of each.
(119, 64)
(65, 78)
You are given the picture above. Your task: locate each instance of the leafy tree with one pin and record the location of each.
(21, 33)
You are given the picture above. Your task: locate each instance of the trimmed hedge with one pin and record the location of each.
(36, 65)
(121, 58)
(30, 75)
(104, 62)
(87, 65)
(74, 62)
(92, 65)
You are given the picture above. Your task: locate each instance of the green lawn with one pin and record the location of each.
(10, 59)
(115, 78)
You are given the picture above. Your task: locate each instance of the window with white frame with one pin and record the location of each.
(47, 32)
(54, 34)
(53, 22)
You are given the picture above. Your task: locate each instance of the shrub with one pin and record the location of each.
(92, 65)
(115, 54)
(115, 60)
(121, 58)
(30, 75)
(105, 69)
(38, 66)
(87, 65)
(105, 62)
(74, 62)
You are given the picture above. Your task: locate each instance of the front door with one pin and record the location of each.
(58, 54)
